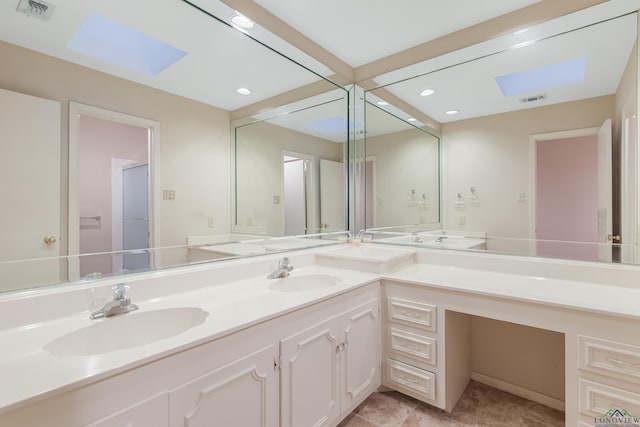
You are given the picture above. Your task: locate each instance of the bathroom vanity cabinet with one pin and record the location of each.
(427, 351)
(309, 367)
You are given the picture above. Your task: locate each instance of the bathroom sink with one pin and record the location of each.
(127, 331)
(304, 283)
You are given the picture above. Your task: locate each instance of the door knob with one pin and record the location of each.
(49, 240)
(613, 237)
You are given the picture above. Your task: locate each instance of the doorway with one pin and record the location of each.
(111, 179)
(571, 193)
(297, 193)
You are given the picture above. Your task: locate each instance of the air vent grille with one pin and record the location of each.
(36, 8)
(533, 98)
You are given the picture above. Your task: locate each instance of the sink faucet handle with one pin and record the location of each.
(284, 263)
(120, 291)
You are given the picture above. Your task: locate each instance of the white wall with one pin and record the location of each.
(194, 137)
(260, 173)
(404, 161)
(492, 154)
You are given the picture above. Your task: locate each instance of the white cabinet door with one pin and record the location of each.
(361, 354)
(243, 394)
(148, 413)
(310, 375)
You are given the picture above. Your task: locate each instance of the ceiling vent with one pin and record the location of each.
(533, 98)
(36, 8)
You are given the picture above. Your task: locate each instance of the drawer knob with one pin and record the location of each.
(623, 363)
(405, 378)
(410, 314)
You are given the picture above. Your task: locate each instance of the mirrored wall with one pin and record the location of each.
(538, 134)
(66, 221)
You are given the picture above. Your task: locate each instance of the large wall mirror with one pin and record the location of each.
(538, 134)
(73, 103)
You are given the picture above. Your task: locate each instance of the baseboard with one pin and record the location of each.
(543, 399)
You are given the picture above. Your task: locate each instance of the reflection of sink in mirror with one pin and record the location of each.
(309, 282)
(127, 331)
(441, 239)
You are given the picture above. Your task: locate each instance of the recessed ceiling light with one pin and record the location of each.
(451, 112)
(412, 119)
(243, 91)
(242, 21)
(382, 103)
(427, 92)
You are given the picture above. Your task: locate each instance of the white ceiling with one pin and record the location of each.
(471, 87)
(221, 59)
(361, 31)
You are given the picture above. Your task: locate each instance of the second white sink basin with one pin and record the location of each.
(304, 283)
(127, 331)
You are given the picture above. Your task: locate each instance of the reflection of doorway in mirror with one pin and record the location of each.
(370, 199)
(297, 192)
(110, 155)
(332, 196)
(572, 193)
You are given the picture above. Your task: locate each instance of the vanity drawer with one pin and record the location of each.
(412, 313)
(415, 381)
(609, 358)
(596, 399)
(417, 347)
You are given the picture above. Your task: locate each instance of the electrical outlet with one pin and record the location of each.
(521, 197)
(211, 221)
(276, 200)
(168, 194)
(462, 220)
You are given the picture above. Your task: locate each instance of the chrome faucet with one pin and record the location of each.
(121, 303)
(283, 269)
(441, 239)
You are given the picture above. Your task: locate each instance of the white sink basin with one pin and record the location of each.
(304, 283)
(126, 331)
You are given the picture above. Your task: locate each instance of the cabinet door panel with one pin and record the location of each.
(362, 353)
(148, 413)
(243, 394)
(310, 376)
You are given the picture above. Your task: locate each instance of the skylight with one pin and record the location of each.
(113, 42)
(550, 76)
(329, 126)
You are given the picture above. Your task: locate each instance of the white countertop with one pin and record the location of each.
(592, 297)
(219, 291)
(48, 374)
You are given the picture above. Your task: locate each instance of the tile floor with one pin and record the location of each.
(480, 405)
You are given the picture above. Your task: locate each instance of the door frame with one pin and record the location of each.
(75, 111)
(533, 140)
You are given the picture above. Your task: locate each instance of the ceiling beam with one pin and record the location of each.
(484, 31)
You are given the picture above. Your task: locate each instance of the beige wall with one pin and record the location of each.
(492, 154)
(194, 137)
(404, 161)
(260, 173)
(520, 355)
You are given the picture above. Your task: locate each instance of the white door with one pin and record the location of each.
(310, 376)
(604, 191)
(332, 195)
(361, 355)
(30, 165)
(135, 216)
